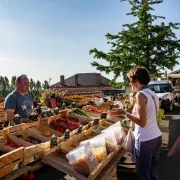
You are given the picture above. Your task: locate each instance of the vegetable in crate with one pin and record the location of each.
(17, 119)
(33, 116)
(11, 144)
(49, 113)
(56, 111)
(79, 112)
(47, 134)
(33, 140)
(43, 114)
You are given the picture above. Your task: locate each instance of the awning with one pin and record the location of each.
(173, 75)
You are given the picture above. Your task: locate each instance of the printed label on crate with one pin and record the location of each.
(32, 159)
(89, 125)
(16, 166)
(79, 130)
(96, 122)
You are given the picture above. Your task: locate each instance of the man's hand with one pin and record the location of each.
(9, 114)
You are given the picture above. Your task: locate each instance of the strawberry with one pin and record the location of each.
(19, 145)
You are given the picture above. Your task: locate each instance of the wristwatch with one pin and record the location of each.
(126, 113)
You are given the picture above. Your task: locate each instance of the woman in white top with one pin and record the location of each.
(148, 137)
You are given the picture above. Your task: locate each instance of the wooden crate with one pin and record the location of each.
(4, 131)
(31, 152)
(74, 141)
(82, 120)
(11, 160)
(59, 162)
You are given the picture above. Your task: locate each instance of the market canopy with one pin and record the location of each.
(173, 75)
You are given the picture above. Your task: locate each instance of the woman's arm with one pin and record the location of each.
(140, 119)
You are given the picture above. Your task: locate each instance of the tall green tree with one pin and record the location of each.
(38, 90)
(45, 85)
(13, 81)
(4, 86)
(145, 42)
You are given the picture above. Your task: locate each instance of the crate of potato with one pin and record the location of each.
(11, 156)
(33, 143)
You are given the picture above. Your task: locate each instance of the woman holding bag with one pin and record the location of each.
(148, 137)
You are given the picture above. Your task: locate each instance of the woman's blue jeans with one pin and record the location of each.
(147, 158)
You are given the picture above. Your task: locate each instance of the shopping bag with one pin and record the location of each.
(129, 142)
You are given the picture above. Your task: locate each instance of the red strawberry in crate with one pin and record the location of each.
(19, 145)
(53, 121)
(58, 120)
(6, 142)
(12, 145)
(61, 130)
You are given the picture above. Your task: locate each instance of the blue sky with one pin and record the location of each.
(49, 38)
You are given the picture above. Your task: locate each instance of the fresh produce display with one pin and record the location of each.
(65, 123)
(10, 143)
(93, 109)
(33, 117)
(17, 119)
(31, 139)
(56, 111)
(47, 133)
(45, 114)
(79, 112)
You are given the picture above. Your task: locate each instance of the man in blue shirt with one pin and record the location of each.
(18, 102)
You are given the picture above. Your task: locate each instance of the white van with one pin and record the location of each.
(164, 90)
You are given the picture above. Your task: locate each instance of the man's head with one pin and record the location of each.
(22, 84)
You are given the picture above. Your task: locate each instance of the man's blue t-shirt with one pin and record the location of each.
(22, 105)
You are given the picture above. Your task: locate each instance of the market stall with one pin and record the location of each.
(58, 134)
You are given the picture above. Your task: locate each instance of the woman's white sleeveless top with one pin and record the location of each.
(151, 130)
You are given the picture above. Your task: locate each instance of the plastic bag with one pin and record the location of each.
(98, 147)
(110, 141)
(118, 131)
(82, 159)
(160, 115)
(129, 142)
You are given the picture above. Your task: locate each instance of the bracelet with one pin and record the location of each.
(126, 113)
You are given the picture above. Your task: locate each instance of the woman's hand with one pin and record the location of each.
(117, 112)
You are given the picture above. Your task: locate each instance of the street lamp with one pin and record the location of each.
(50, 80)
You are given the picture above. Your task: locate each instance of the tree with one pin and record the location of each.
(4, 86)
(38, 90)
(45, 85)
(143, 42)
(13, 81)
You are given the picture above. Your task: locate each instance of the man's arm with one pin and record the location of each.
(9, 114)
(9, 107)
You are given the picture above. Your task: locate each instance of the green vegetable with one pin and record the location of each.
(80, 112)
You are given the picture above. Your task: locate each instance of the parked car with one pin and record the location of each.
(165, 91)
